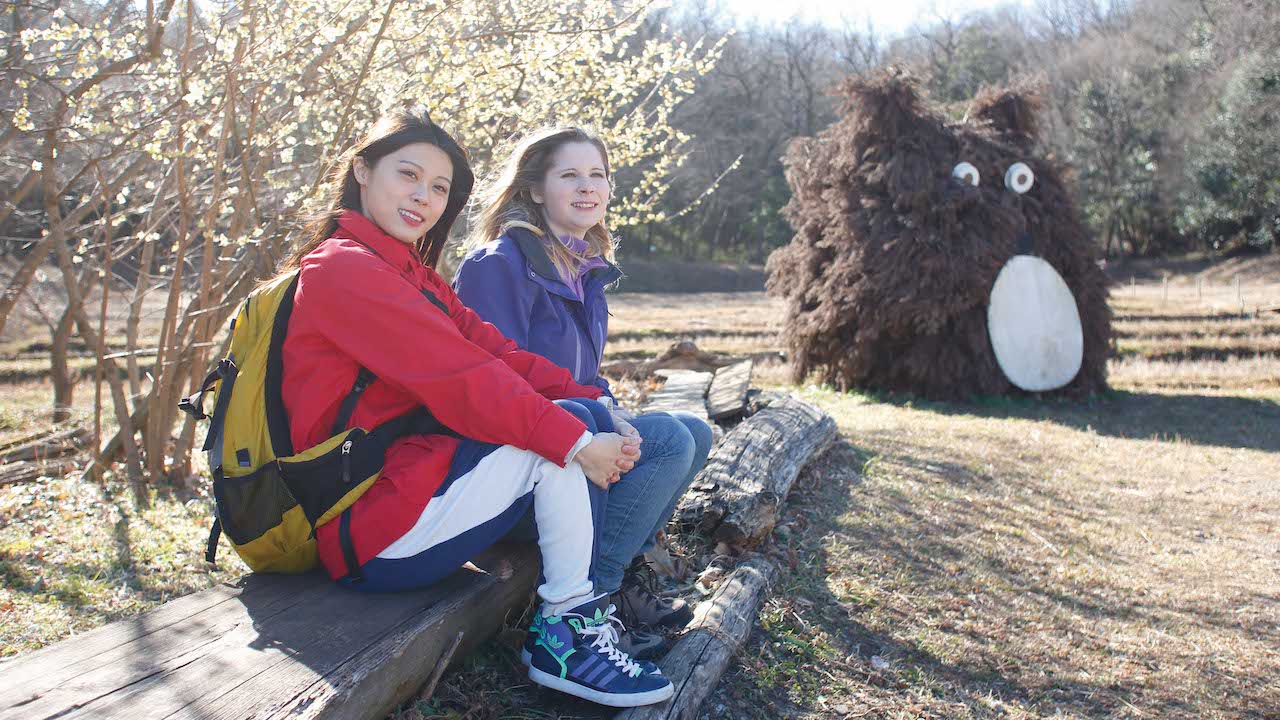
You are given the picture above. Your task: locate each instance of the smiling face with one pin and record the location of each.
(575, 190)
(405, 192)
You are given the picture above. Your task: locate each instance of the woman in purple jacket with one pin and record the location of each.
(539, 259)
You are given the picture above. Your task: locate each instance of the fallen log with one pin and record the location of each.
(683, 355)
(728, 394)
(685, 390)
(738, 496)
(61, 442)
(270, 646)
(30, 437)
(713, 638)
(28, 470)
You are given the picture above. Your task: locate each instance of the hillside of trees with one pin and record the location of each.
(159, 155)
(1168, 111)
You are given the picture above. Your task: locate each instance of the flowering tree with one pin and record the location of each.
(188, 137)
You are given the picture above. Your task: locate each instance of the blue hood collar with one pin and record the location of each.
(535, 252)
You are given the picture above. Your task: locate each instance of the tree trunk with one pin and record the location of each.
(134, 321)
(75, 305)
(63, 384)
(168, 370)
(22, 278)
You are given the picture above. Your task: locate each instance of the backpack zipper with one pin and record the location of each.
(346, 462)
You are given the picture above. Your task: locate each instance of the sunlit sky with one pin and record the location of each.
(887, 16)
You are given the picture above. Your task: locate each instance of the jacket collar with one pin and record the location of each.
(364, 231)
(535, 252)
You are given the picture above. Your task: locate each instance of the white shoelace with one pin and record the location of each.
(607, 634)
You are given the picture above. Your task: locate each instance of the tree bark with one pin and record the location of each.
(22, 278)
(719, 628)
(738, 496)
(63, 383)
(75, 305)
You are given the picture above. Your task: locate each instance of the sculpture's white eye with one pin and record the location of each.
(966, 173)
(1019, 178)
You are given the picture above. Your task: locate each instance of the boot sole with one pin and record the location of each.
(603, 698)
(677, 619)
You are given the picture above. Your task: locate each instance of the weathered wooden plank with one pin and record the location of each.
(739, 493)
(271, 646)
(719, 627)
(87, 661)
(728, 393)
(379, 671)
(685, 390)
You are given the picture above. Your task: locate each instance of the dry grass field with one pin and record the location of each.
(1004, 558)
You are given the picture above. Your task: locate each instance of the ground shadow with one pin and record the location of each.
(949, 583)
(1223, 421)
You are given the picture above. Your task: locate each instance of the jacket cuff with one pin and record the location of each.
(583, 441)
(557, 434)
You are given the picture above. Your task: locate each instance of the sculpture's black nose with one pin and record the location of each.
(1025, 244)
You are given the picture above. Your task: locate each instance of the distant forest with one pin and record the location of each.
(1167, 111)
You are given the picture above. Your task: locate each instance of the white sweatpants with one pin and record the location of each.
(480, 506)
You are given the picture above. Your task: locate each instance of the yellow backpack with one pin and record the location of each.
(270, 499)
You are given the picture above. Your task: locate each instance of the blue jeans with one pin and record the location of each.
(674, 448)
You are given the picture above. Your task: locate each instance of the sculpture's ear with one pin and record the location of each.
(1012, 111)
(888, 103)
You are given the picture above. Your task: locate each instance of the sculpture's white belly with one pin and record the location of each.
(1034, 325)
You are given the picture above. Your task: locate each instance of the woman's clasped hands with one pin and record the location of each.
(608, 455)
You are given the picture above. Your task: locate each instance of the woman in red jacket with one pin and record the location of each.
(371, 315)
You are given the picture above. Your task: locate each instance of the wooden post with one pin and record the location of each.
(1239, 294)
(1199, 290)
(1133, 286)
(1166, 289)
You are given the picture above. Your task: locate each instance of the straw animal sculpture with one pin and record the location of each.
(890, 272)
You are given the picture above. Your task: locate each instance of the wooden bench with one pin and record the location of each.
(270, 646)
(274, 646)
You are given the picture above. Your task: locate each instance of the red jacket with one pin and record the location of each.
(362, 302)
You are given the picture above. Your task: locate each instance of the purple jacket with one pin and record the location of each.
(512, 283)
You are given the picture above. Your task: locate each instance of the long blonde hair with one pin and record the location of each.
(505, 198)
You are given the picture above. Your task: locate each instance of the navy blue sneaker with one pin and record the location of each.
(575, 653)
(642, 646)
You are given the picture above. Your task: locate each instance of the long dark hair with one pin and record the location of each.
(391, 132)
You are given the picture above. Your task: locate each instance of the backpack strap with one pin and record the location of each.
(211, 547)
(354, 575)
(431, 298)
(348, 407)
(193, 404)
(369, 455)
(228, 371)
